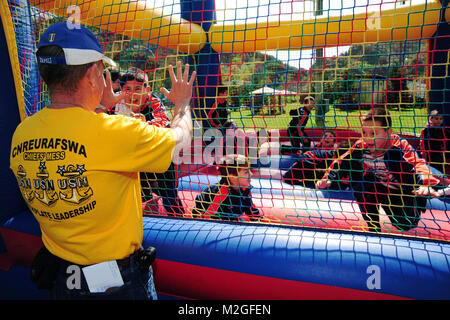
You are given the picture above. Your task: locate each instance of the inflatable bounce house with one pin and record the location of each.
(308, 243)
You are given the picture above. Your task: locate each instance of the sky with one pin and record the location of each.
(240, 11)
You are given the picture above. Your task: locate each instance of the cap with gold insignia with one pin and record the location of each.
(79, 44)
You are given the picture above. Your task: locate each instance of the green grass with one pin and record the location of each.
(403, 121)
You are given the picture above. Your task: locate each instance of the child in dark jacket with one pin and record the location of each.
(384, 170)
(296, 131)
(230, 199)
(435, 142)
(218, 114)
(312, 164)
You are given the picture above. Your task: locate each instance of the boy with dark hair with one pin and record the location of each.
(139, 101)
(296, 130)
(115, 79)
(435, 142)
(218, 119)
(134, 83)
(218, 114)
(230, 199)
(384, 170)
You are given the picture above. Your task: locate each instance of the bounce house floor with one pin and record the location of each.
(298, 206)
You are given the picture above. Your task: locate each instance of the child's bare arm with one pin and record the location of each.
(323, 183)
(426, 191)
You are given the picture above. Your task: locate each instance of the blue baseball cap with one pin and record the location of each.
(79, 44)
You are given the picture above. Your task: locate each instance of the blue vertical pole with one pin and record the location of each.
(207, 61)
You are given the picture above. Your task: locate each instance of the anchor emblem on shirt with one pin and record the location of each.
(74, 188)
(44, 188)
(25, 184)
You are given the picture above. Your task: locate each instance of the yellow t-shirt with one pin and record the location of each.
(78, 171)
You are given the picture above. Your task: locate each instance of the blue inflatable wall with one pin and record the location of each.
(215, 260)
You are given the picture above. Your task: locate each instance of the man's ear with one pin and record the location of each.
(90, 76)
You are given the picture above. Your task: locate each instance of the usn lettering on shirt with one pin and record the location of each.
(26, 148)
(40, 185)
(43, 185)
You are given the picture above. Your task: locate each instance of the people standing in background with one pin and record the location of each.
(298, 138)
(435, 142)
(218, 114)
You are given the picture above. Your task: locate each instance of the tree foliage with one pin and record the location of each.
(388, 68)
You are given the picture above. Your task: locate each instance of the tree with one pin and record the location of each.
(396, 85)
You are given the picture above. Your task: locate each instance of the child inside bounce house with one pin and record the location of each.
(231, 198)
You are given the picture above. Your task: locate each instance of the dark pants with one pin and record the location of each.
(401, 206)
(164, 185)
(299, 139)
(138, 284)
(437, 161)
(305, 172)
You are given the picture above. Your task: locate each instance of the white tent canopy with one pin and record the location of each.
(265, 91)
(270, 91)
(286, 93)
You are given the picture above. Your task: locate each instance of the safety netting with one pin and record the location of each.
(327, 105)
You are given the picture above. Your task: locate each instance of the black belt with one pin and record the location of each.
(120, 262)
(141, 256)
(124, 262)
(45, 266)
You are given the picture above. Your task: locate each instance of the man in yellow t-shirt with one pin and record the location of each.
(78, 171)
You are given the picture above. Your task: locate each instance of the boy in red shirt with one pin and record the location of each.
(384, 171)
(139, 101)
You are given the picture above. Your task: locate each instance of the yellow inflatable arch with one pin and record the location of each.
(139, 21)
(407, 23)
(134, 19)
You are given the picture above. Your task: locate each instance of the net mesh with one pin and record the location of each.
(345, 57)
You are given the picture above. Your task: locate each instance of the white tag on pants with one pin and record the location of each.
(101, 276)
